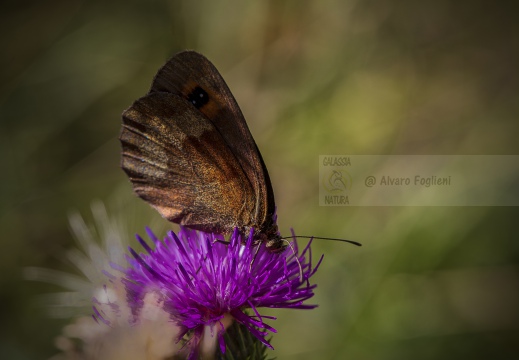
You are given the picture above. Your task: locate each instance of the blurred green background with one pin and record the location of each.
(312, 78)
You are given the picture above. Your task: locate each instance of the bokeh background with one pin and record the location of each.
(312, 78)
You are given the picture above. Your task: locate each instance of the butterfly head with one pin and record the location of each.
(276, 244)
(272, 239)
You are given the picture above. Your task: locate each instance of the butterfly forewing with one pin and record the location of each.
(190, 75)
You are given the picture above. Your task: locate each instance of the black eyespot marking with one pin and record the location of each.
(198, 97)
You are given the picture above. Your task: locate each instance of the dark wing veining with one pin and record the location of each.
(179, 163)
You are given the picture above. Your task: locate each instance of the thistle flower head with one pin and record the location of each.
(204, 282)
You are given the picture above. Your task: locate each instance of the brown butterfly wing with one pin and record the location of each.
(191, 76)
(179, 163)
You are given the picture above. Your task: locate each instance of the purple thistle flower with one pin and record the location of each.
(202, 281)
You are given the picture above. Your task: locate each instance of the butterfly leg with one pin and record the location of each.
(225, 242)
(254, 258)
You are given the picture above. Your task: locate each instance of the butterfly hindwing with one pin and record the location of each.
(182, 165)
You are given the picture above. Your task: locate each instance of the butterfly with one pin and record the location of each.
(188, 152)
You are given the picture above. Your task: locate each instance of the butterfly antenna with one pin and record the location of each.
(322, 238)
(297, 260)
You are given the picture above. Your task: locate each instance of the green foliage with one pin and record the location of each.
(241, 344)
